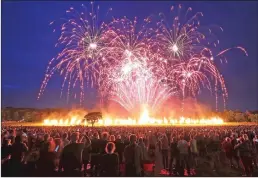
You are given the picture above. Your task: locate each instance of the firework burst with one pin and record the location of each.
(84, 45)
(133, 85)
(186, 59)
(136, 65)
(182, 38)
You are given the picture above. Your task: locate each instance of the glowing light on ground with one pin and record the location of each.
(143, 120)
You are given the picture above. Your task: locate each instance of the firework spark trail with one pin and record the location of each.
(135, 86)
(131, 81)
(136, 64)
(84, 41)
(181, 39)
(187, 54)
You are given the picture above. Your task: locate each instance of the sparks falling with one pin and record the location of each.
(138, 65)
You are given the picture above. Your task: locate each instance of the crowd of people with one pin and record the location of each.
(125, 151)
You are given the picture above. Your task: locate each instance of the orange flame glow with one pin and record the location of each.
(144, 119)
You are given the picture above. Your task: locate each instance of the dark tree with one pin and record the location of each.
(93, 117)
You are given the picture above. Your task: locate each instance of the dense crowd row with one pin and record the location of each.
(123, 151)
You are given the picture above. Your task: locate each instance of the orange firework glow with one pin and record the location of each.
(144, 119)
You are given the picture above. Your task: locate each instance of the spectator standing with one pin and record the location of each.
(194, 150)
(245, 148)
(164, 151)
(5, 156)
(183, 148)
(12, 136)
(228, 149)
(119, 148)
(109, 162)
(103, 142)
(6, 150)
(86, 153)
(71, 158)
(133, 158)
(95, 154)
(18, 151)
(32, 156)
(255, 141)
(202, 145)
(46, 162)
(234, 142)
(174, 155)
(143, 149)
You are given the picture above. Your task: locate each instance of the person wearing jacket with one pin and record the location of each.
(228, 149)
(133, 158)
(194, 150)
(183, 148)
(109, 166)
(164, 150)
(174, 156)
(245, 151)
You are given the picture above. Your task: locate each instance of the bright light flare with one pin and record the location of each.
(174, 48)
(128, 53)
(144, 119)
(93, 46)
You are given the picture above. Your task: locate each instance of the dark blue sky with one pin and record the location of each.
(28, 44)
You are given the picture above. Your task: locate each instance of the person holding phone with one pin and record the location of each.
(57, 148)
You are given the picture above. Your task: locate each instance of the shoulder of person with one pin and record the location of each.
(67, 146)
(81, 145)
(105, 155)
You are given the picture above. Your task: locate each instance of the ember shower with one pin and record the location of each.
(137, 64)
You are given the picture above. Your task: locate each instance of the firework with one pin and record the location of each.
(186, 58)
(136, 65)
(129, 81)
(133, 85)
(84, 47)
(181, 39)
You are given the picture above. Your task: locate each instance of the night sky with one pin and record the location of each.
(28, 44)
